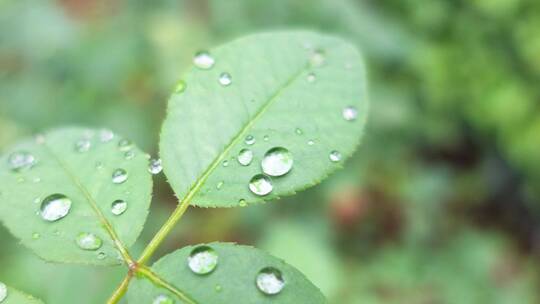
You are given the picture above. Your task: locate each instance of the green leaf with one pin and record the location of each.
(232, 281)
(273, 98)
(60, 170)
(9, 295)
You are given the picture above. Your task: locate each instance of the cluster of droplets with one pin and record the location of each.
(205, 61)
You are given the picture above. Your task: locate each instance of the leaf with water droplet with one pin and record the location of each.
(75, 196)
(226, 273)
(10, 295)
(267, 102)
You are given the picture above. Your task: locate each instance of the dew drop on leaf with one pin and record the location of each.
(89, 241)
(220, 185)
(299, 131)
(163, 299)
(119, 176)
(203, 260)
(125, 145)
(106, 136)
(155, 166)
(250, 140)
(225, 79)
(277, 161)
(261, 185)
(317, 58)
(335, 156)
(242, 203)
(21, 160)
(83, 145)
(118, 207)
(55, 207)
(218, 288)
(129, 155)
(311, 142)
(270, 281)
(245, 156)
(101, 256)
(311, 77)
(225, 163)
(350, 113)
(3, 292)
(203, 60)
(36, 235)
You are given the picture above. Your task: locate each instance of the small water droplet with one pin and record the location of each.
(260, 184)
(37, 200)
(118, 207)
(3, 292)
(270, 281)
(101, 256)
(83, 145)
(99, 165)
(218, 288)
(335, 156)
(220, 185)
(225, 163)
(277, 161)
(129, 155)
(242, 203)
(163, 299)
(180, 87)
(89, 241)
(225, 79)
(350, 113)
(203, 60)
(106, 135)
(203, 260)
(119, 176)
(245, 156)
(19, 161)
(155, 166)
(36, 235)
(125, 145)
(317, 58)
(266, 138)
(311, 142)
(311, 77)
(55, 207)
(299, 131)
(250, 140)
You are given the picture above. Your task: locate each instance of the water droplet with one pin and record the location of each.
(311, 77)
(89, 241)
(3, 292)
(261, 184)
(37, 200)
(118, 207)
(55, 207)
(299, 131)
(350, 113)
(225, 79)
(250, 140)
(335, 156)
(106, 136)
(99, 165)
(21, 160)
(225, 163)
(125, 145)
(129, 155)
(203, 260)
(242, 203)
(163, 299)
(180, 87)
(270, 281)
(83, 145)
(245, 156)
(317, 58)
(218, 288)
(311, 142)
(119, 176)
(155, 166)
(101, 256)
(266, 138)
(203, 60)
(36, 235)
(277, 161)
(220, 185)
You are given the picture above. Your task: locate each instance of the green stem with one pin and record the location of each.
(120, 291)
(146, 272)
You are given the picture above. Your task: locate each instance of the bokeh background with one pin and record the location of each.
(441, 204)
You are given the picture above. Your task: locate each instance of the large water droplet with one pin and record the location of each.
(89, 241)
(203, 60)
(225, 79)
(3, 292)
(163, 299)
(119, 176)
(55, 207)
(335, 156)
(155, 166)
(270, 281)
(21, 160)
(125, 145)
(106, 135)
(250, 140)
(277, 161)
(118, 207)
(245, 156)
(261, 185)
(203, 260)
(350, 113)
(83, 145)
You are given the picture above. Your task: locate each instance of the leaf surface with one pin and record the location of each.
(232, 281)
(288, 89)
(60, 169)
(9, 295)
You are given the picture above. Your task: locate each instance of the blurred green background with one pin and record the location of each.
(441, 204)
